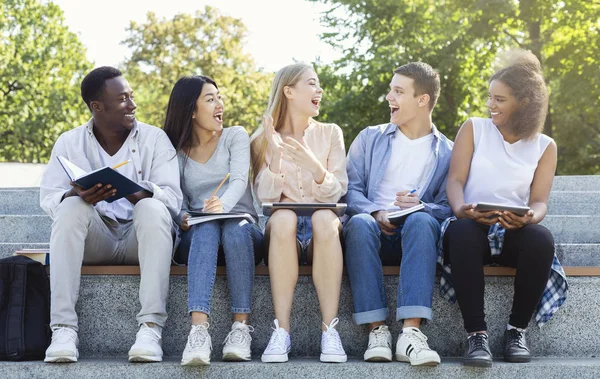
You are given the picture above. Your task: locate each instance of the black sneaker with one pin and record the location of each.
(478, 353)
(515, 348)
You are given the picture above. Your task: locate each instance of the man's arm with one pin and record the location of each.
(358, 179)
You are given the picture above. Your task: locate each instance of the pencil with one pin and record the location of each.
(121, 164)
(220, 185)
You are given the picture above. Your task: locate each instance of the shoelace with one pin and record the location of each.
(60, 332)
(517, 339)
(379, 337)
(239, 335)
(198, 335)
(418, 340)
(278, 339)
(331, 336)
(477, 341)
(146, 331)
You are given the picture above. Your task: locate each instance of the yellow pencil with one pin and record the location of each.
(121, 164)
(220, 185)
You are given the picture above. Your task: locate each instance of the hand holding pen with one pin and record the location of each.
(407, 199)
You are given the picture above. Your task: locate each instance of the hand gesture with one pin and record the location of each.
(406, 199)
(184, 225)
(510, 220)
(273, 138)
(486, 218)
(301, 155)
(94, 194)
(213, 205)
(385, 225)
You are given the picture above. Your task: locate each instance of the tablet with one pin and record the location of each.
(304, 209)
(485, 207)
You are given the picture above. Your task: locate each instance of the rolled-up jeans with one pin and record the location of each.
(242, 245)
(413, 247)
(81, 235)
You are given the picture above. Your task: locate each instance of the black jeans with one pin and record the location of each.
(529, 249)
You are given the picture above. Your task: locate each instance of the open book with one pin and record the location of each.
(104, 175)
(200, 217)
(398, 217)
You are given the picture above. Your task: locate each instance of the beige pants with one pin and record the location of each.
(81, 235)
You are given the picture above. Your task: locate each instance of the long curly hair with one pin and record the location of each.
(523, 75)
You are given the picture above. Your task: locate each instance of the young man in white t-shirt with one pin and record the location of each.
(391, 167)
(136, 229)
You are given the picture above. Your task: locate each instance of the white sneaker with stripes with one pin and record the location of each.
(412, 347)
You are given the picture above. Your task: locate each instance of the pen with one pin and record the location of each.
(220, 185)
(121, 164)
(413, 191)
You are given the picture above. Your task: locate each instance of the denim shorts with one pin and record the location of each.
(303, 239)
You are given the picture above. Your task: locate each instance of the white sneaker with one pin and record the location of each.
(147, 346)
(63, 348)
(237, 342)
(198, 348)
(279, 346)
(412, 347)
(331, 344)
(380, 345)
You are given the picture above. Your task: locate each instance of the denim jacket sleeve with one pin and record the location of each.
(439, 208)
(358, 179)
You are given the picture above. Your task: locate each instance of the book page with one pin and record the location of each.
(73, 170)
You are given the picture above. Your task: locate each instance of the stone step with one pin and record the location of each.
(574, 203)
(20, 201)
(569, 254)
(108, 305)
(576, 183)
(565, 228)
(301, 368)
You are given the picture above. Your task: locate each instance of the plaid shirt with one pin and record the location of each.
(554, 294)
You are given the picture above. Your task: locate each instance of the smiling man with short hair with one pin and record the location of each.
(133, 230)
(390, 167)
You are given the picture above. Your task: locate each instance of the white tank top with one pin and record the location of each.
(502, 172)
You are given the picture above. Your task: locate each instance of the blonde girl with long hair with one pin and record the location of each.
(297, 159)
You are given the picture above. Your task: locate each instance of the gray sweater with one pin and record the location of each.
(199, 180)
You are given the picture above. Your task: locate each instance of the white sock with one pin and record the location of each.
(510, 327)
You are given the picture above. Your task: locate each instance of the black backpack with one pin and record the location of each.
(24, 309)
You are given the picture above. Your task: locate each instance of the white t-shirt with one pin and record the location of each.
(122, 208)
(410, 162)
(502, 172)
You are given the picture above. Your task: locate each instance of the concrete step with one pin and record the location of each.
(20, 201)
(576, 183)
(574, 203)
(301, 368)
(569, 254)
(565, 228)
(108, 306)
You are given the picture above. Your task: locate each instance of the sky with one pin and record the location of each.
(279, 31)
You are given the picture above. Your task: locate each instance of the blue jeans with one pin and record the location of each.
(242, 246)
(413, 247)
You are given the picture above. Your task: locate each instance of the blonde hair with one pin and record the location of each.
(522, 73)
(276, 108)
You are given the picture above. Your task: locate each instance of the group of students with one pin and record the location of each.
(294, 158)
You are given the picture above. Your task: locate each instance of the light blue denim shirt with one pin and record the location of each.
(368, 158)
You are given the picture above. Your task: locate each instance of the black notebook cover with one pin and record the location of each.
(108, 175)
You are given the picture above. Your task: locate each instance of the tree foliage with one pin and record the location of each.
(461, 38)
(41, 66)
(206, 43)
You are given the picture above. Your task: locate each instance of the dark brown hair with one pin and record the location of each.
(426, 80)
(523, 75)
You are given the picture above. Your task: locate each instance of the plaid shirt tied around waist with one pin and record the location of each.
(554, 294)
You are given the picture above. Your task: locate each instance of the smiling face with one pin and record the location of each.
(305, 96)
(209, 109)
(404, 105)
(116, 107)
(501, 103)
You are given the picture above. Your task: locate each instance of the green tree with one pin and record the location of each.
(206, 43)
(41, 66)
(460, 38)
